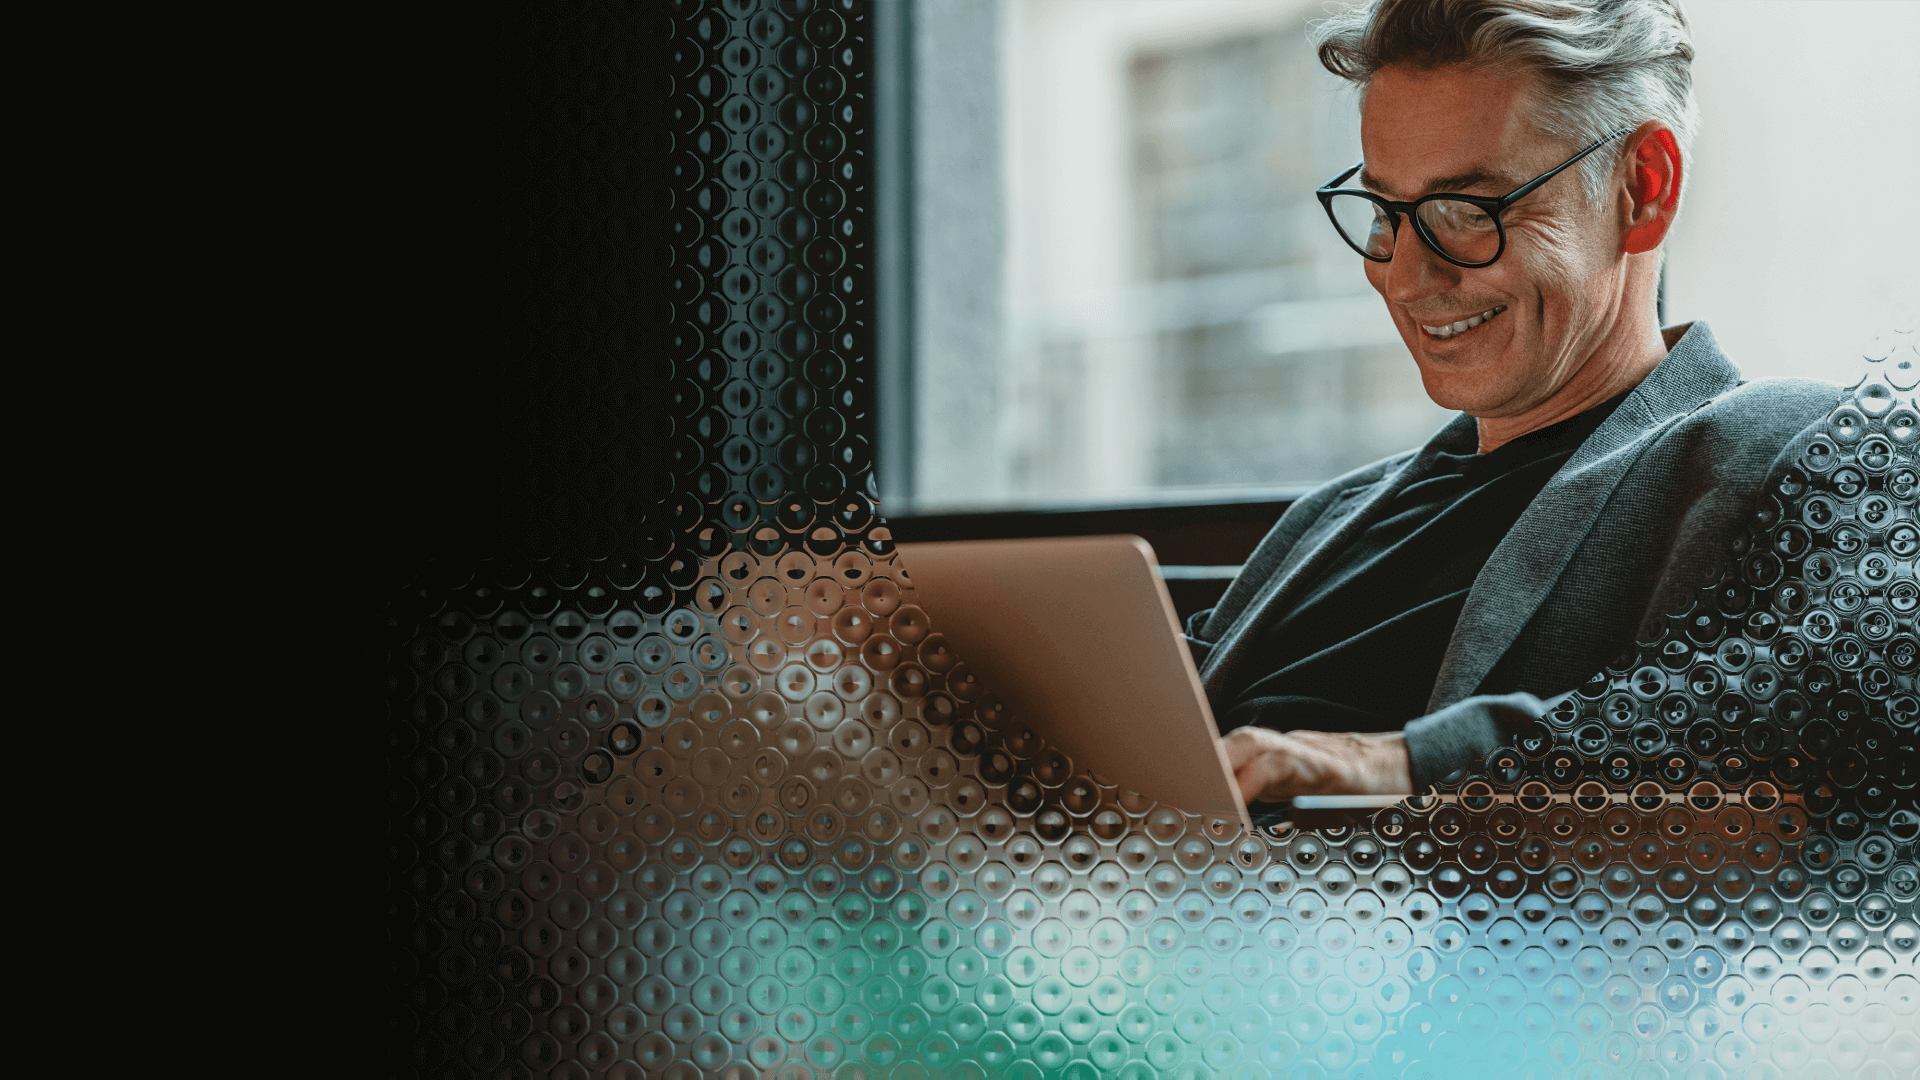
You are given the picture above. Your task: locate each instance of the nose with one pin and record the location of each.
(1415, 272)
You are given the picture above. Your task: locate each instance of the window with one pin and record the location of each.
(1123, 292)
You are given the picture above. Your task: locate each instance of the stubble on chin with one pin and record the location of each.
(1480, 386)
(1452, 386)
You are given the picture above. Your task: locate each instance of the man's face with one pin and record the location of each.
(1560, 281)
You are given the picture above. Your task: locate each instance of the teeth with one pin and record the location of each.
(1444, 332)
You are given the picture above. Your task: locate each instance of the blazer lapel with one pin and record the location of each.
(1299, 571)
(1529, 561)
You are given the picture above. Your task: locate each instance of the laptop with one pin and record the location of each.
(1078, 636)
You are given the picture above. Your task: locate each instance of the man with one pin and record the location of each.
(1601, 467)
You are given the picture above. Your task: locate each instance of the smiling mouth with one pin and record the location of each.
(1453, 330)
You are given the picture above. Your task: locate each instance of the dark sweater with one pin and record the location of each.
(1362, 648)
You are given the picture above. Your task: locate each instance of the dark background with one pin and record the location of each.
(508, 279)
(508, 235)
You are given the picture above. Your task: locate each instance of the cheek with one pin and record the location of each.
(1556, 285)
(1559, 262)
(1531, 275)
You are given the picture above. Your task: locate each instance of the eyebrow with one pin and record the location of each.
(1460, 182)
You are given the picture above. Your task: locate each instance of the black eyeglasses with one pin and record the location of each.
(1465, 230)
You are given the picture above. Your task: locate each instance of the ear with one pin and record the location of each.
(1653, 189)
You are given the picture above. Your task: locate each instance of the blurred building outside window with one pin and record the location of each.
(1124, 291)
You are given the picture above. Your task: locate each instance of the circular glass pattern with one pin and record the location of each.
(738, 804)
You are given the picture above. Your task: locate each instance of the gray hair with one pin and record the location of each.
(1599, 65)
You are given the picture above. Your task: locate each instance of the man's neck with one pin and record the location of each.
(1601, 379)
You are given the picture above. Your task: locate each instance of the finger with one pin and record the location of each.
(1266, 777)
(1240, 748)
(1243, 744)
(1251, 782)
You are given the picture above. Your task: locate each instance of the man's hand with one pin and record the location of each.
(1270, 766)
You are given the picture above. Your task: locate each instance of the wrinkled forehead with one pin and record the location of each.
(1449, 129)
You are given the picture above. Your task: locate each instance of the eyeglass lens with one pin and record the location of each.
(1460, 229)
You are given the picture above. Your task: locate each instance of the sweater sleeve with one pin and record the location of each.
(1195, 636)
(1465, 732)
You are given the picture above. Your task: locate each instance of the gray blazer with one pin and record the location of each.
(1626, 533)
